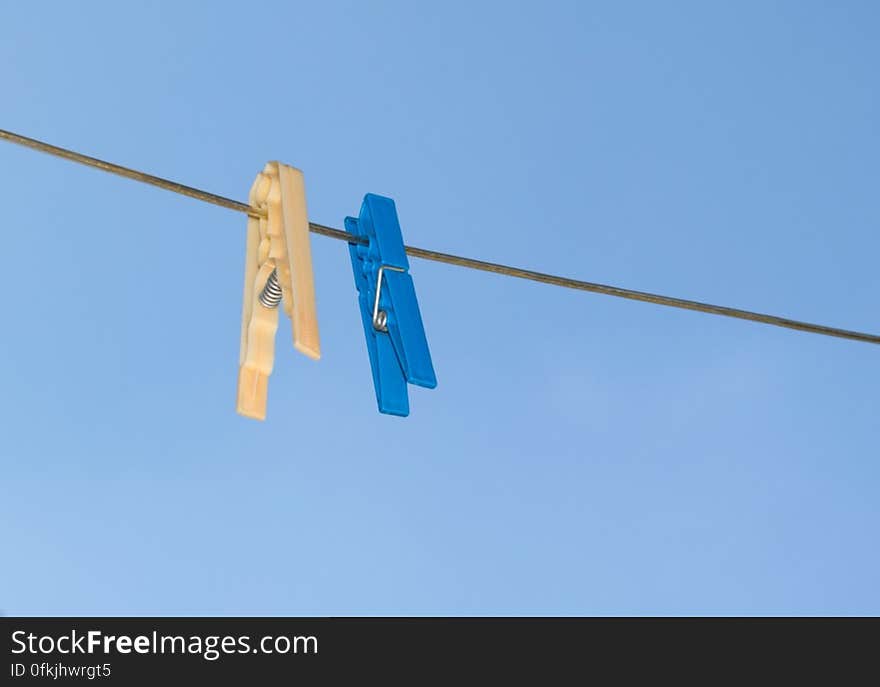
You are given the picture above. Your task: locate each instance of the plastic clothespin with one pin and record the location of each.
(278, 269)
(393, 327)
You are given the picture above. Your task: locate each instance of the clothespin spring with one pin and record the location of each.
(380, 317)
(271, 294)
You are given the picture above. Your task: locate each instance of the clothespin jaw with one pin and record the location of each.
(278, 271)
(396, 341)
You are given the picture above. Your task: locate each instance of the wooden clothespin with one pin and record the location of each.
(278, 269)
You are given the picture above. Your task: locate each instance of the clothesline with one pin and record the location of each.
(449, 259)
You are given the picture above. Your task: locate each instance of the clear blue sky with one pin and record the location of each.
(581, 454)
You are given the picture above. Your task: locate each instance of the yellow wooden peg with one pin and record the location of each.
(278, 269)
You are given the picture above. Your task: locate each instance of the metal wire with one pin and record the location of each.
(446, 258)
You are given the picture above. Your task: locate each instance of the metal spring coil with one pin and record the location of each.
(270, 297)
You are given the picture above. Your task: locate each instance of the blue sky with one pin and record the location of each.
(581, 454)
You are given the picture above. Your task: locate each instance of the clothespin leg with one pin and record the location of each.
(259, 358)
(301, 305)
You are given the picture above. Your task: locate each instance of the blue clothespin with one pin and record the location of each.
(390, 312)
